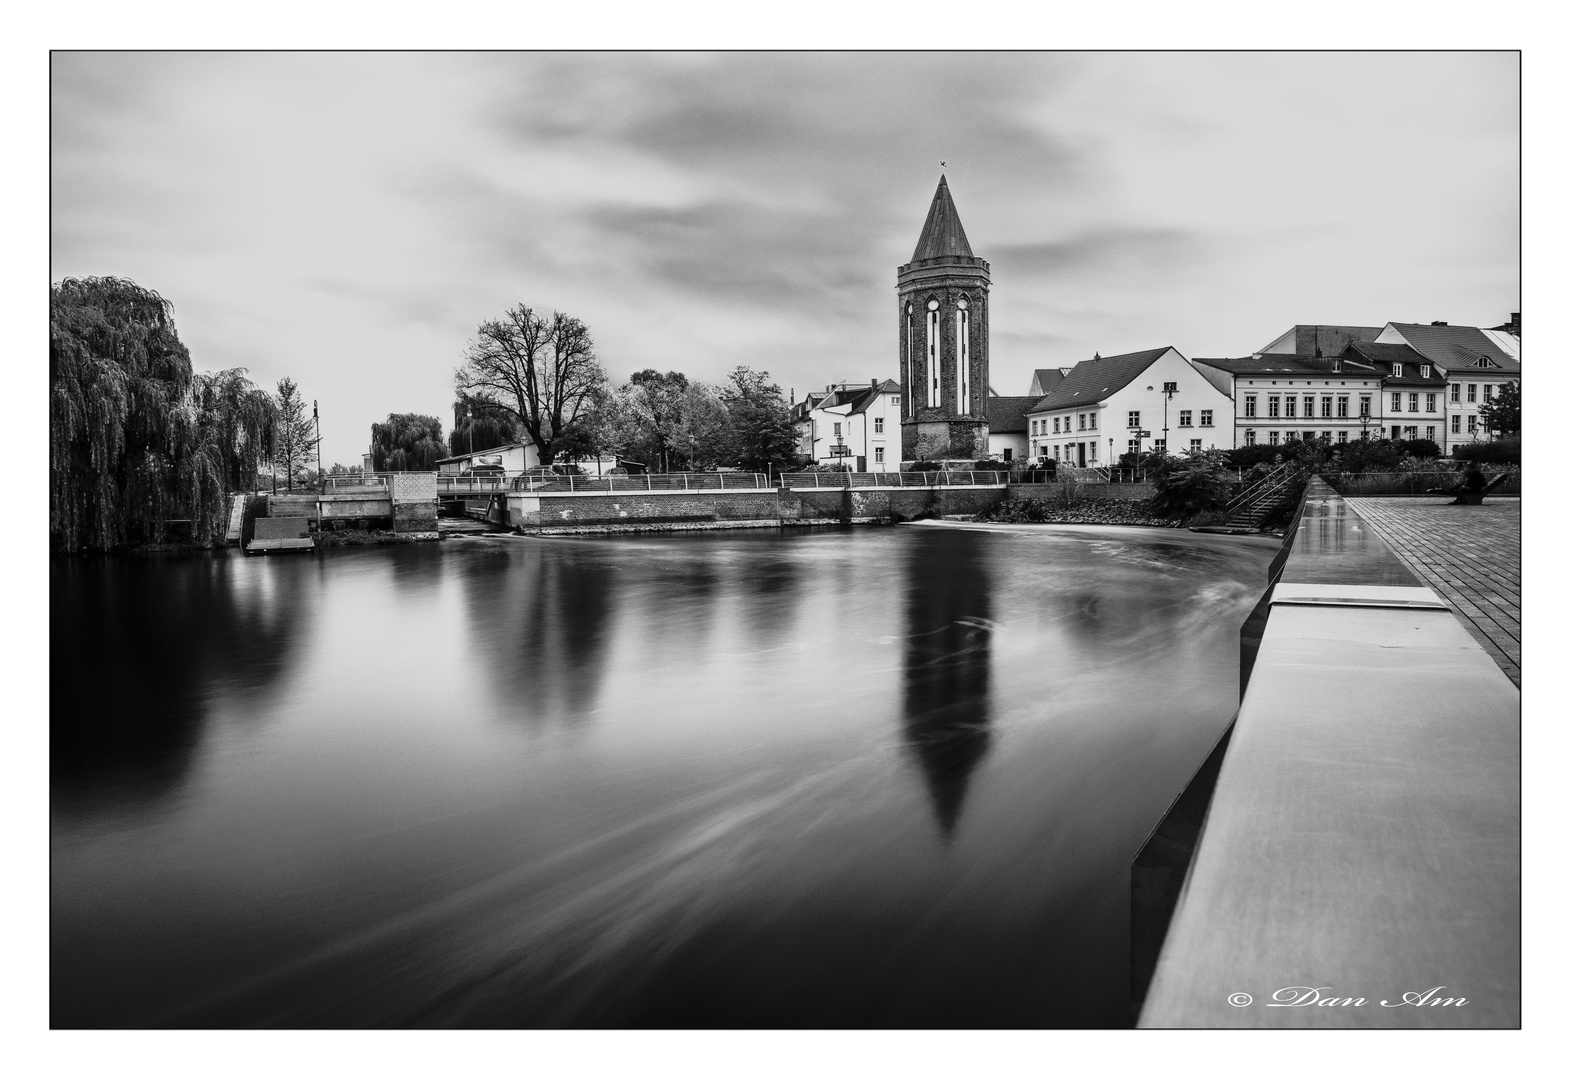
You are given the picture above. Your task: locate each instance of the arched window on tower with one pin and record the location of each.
(910, 351)
(963, 357)
(933, 385)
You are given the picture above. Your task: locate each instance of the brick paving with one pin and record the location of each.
(1470, 555)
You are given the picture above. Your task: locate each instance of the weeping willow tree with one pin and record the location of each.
(135, 437)
(408, 442)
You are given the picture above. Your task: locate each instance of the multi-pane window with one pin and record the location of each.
(1055, 425)
(1292, 405)
(1093, 421)
(1412, 403)
(1456, 391)
(1472, 391)
(1186, 418)
(1273, 406)
(1134, 446)
(1033, 427)
(1289, 436)
(1429, 402)
(1082, 421)
(1489, 391)
(1249, 405)
(1159, 445)
(1194, 445)
(1093, 451)
(1472, 424)
(1326, 435)
(1273, 437)
(1205, 417)
(878, 425)
(1363, 405)
(1341, 407)
(1134, 418)
(1325, 408)
(1396, 371)
(1396, 402)
(895, 401)
(1429, 432)
(1341, 436)
(837, 430)
(1249, 436)
(878, 453)
(1456, 424)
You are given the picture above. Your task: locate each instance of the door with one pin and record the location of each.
(1081, 447)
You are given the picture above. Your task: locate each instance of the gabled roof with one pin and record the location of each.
(1457, 347)
(1091, 381)
(870, 395)
(1045, 380)
(1384, 354)
(942, 233)
(1279, 365)
(1319, 339)
(858, 396)
(1008, 414)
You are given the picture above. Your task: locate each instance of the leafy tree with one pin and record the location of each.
(407, 442)
(294, 433)
(761, 430)
(480, 425)
(130, 445)
(236, 418)
(1199, 481)
(1502, 414)
(540, 371)
(703, 437)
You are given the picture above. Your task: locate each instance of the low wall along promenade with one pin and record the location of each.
(1359, 860)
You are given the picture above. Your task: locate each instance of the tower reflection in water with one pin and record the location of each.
(947, 655)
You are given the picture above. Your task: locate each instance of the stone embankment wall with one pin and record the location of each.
(770, 507)
(1054, 492)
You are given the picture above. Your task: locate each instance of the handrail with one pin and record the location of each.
(838, 479)
(1247, 493)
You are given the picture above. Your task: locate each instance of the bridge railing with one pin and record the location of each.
(815, 480)
(681, 481)
(353, 484)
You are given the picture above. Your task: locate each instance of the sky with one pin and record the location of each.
(349, 219)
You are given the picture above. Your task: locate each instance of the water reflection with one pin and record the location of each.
(137, 650)
(543, 627)
(947, 658)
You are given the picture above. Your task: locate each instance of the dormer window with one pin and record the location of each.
(1423, 371)
(1336, 365)
(1396, 371)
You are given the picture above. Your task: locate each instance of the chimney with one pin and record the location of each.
(1437, 322)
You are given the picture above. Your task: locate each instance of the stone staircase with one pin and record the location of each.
(236, 519)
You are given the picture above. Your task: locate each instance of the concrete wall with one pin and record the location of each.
(1053, 492)
(782, 505)
(414, 502)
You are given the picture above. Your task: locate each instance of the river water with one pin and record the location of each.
(835, 778)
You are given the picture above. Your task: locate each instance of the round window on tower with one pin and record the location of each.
(932, 305)
(909, 309)
(961, 303)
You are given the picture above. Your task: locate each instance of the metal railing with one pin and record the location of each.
(556, 483)
(362, 483)
(1416, 483)
(803, 480)
(1252, 492)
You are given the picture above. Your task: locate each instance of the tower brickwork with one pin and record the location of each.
(943, 321)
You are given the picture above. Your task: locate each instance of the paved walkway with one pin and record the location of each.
(1470, 555)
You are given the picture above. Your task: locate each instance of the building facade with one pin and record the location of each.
(1277, 398)
(943, 340)
(852, 424)
(1108, 406)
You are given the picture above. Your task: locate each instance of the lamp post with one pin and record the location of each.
(1168, 390)
(1363, 419)
(469, 422)
(316, 427)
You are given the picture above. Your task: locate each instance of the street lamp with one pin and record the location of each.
(1363, 419)
(1168, 390)
(469, 418)
(316, 427)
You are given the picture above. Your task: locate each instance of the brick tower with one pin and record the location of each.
(943, 340)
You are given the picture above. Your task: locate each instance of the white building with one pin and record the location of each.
(1474, 365)
(513, 458)
(1278, 398)
(1108, 406)
(855, 424)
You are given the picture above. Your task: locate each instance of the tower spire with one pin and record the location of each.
(942, 235)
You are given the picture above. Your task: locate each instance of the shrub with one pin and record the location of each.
(1499, 452)
(1198, 481)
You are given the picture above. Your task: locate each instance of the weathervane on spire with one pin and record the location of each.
(943, 164)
